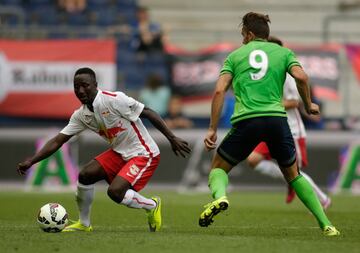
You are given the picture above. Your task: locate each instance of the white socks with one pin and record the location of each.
(84, 199)
(271, 169)
(133, 199)
(85, 196)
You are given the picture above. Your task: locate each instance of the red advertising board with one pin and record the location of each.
(36, 77)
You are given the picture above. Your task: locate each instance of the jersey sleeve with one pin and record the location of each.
(227, 67)
(75, 125)
(127, 107)
(291, 60)
(290, 90)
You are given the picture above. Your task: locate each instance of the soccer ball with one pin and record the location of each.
(52, 217)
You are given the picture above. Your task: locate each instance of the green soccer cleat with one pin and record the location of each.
(154, 216)
(212, 209)
(330, 231)
(77, 226)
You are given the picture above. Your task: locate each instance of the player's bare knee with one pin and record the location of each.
(254, 159)
(115, 194)
(86, 177)
(252, 162)
(219, 162)
(290, 172)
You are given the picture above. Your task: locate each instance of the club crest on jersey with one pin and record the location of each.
(87, 119)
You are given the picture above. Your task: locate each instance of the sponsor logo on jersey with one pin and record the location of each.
(111, 133)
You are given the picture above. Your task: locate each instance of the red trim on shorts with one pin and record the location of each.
(141, 139)
(147, 166)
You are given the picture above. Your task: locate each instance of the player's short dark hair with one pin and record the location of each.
(86, 70)
(276, 40)
(257, 23)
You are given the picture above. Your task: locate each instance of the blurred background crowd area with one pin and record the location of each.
(146, 31)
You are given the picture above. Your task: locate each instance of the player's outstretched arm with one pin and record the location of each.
(302, 85)
(178, 145)
(217, 103)
(49, 148)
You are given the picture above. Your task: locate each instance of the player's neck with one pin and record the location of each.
(90, 107)
(90, 104)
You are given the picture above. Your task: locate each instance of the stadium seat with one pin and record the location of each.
(11, 2)
(134, 77)
(39, 2)
(58, 35)
(76, 19)
(104, 17)
(96, 4)
(129, 5)
(46, 15)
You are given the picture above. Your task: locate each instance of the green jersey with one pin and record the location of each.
(258, 70)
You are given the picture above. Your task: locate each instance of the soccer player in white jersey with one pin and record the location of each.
(133, 155)
(260, 158)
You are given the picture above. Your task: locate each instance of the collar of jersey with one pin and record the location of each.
(87, 112)
(258, 39)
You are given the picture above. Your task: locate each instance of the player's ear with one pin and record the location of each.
(251, 36)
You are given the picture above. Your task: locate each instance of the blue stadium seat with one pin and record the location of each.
(105, 17)
(156, 59)
(123, 41)
(127, 3)
(58, 35)
(9, 19)
(126, 56)
(40, 2)
(128, 16)
(32, 5)
(95, 4)
(46, 15)
(134, 76)
(76, 19)
(11, 2)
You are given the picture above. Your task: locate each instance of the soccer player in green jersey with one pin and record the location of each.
(257, 71)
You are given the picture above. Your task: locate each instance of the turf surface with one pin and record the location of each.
(255, 222)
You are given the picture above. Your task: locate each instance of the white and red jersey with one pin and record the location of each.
(294, 119)
(116, 119)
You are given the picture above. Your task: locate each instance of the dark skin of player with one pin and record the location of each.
(85, 88)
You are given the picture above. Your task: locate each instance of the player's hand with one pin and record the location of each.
(210, 140)
(179, 146)
(313, 109)
(23, 167)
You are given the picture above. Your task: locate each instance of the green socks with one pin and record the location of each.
(218, 181)
(307, 195)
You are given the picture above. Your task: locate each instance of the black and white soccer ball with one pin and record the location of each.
(52, 217)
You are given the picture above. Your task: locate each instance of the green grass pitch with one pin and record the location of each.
(255, 222)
